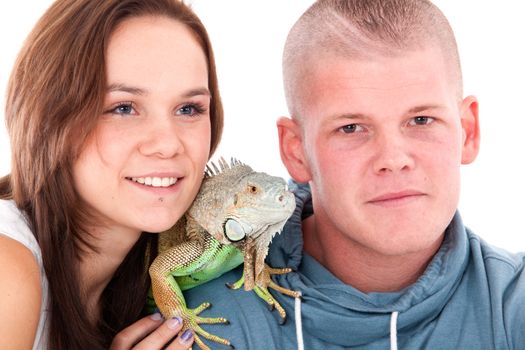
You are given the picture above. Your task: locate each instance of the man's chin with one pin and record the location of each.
(406, 240)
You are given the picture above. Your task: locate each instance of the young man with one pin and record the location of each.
(379, 128)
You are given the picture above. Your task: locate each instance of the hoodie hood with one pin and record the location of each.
(339, 314)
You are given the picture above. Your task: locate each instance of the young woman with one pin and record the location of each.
(113, 111)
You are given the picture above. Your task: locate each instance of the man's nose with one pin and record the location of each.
(393, 153)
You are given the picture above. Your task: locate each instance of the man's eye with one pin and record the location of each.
(421, 120)
(351, 128)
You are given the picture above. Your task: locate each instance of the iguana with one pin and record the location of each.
(232, 220)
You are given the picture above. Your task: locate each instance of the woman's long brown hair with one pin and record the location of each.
(55, 96)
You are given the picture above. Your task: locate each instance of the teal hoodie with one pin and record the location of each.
(471, 296)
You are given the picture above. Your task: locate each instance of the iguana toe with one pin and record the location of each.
(236, 285)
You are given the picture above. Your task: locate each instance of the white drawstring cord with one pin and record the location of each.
(393, 330)
(299, 327)
(299, 323)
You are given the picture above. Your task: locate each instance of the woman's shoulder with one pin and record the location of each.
(24, 287)
(17, 263)
(21, 293)
(18, 257)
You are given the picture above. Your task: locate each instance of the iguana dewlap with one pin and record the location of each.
(231, 221)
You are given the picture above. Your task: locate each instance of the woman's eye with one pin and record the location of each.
(190, 110)
(421, 120)
(351, 128)
(123, 109)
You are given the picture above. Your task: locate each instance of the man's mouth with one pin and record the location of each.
(396, 196)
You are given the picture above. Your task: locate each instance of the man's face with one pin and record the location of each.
(382, 142)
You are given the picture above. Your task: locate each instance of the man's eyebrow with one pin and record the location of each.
(423, 108)
(413, 110)
(351, 116)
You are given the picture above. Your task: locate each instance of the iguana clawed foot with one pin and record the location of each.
(261, 288)
(192, 320)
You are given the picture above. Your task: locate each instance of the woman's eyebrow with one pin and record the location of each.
(141, 92)
(125, 88)
(197, 92)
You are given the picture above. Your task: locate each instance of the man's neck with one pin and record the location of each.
(361, 267)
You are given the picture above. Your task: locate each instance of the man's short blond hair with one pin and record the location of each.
(363, 29)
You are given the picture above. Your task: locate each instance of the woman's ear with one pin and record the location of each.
(470, 125)
(291, 148)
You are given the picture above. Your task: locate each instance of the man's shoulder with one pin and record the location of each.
(495, 257)
(502, 271)
(504, 275)
(227, 302)
(216, 289)
(244, 310)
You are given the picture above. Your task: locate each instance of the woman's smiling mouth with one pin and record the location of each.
(154, 181)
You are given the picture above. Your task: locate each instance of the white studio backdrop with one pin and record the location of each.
(248, 37)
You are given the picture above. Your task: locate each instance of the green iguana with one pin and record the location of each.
(232, 220)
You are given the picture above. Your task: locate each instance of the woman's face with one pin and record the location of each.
(143, 165)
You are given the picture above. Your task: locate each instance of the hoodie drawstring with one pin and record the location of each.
(299, 323)
(393, 330)
(299, 326)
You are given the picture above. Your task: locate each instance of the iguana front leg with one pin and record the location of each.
(261, 288)
(183, 260)
(257, 277)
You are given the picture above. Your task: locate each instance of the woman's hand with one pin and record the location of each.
(153, 332)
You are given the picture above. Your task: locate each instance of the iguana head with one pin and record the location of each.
(236, 203)
(241, 207)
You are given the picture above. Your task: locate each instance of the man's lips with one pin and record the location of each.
(396, 196)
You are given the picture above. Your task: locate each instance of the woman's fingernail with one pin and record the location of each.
(174, 322)
(186, 336)
(156, 316)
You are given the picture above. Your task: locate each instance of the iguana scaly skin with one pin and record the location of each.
(232, 220)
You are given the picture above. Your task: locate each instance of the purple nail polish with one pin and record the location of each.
(186, 336)
(156, 316)
(174, 322)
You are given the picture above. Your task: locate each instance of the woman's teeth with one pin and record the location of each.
(155, 181)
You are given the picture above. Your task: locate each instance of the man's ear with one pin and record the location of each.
(292, 149)
(470, 124)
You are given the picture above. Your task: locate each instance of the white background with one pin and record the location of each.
(248, 37)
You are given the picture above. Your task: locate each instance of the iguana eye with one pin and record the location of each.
(252, 189)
